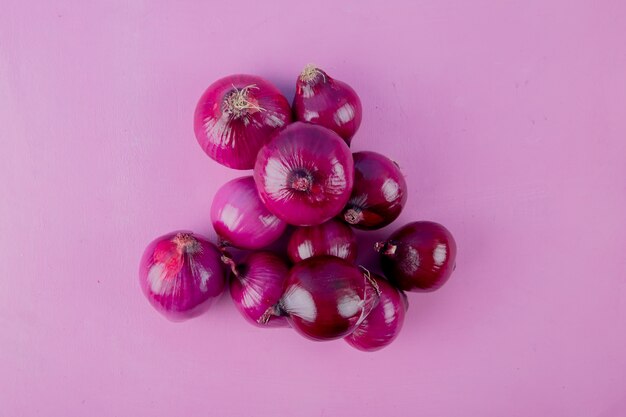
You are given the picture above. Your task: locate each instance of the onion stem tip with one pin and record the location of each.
(309, 73)
(353, 216)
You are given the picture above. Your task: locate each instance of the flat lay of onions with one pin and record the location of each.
(309, 190)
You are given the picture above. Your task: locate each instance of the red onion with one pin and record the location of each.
(330, 238)
(327, 297)
(256, 287)
(327, 102)
(180, 274)
(240, 218)
(383, 323)
(419, 256)
(236, 116)
(304, 175)
(379, 192)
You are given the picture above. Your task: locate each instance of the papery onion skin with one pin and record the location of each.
(327, 297)
(325, 101)
(383, 324)
(236, 116)
(180, 274)
(379, 193)
(304, 175)
(330, 238)
(241, 219)
(419, 256)
(257, 287)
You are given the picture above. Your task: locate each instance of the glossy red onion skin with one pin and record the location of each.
(383, 324)
(379, 193)
(312, 158)
(327, 102)
(327, 297)
(180, 274)
(258, 287)
(419, 256)
(330, 238)
(234, 139)
(241, 219)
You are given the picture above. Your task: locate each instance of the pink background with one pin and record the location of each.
(508, 117)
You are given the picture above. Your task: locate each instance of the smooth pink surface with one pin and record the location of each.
(508, 117)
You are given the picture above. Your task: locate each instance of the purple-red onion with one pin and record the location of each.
(327, 297)
(327, 102)
(236, 116)
(241, 219)
(256, 286)
(330, 238)
(304, 175)
(180, 274)
(419, 256)
(379, 192)
(383, 323)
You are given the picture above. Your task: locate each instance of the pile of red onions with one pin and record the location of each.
(304, 176)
